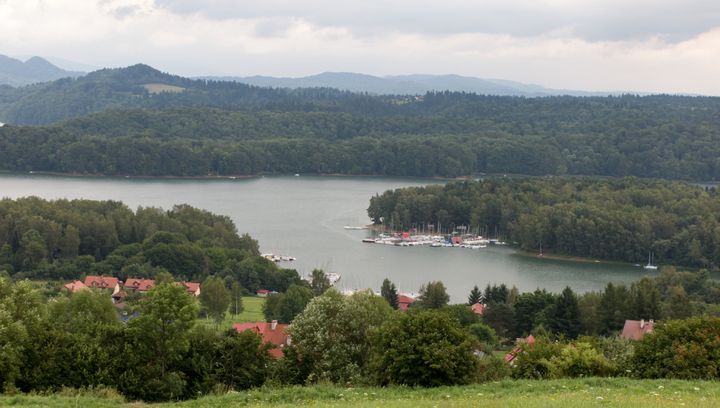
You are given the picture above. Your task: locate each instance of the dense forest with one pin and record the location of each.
(64, 240)
(111, 123)
(617, 219)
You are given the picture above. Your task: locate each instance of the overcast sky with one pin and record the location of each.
(640, 45)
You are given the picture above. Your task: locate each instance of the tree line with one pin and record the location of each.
(109, 123)
(614, 219)
(68, 239)
(55, 341)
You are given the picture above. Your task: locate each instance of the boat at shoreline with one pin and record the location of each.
(353, 228)
(650, 265)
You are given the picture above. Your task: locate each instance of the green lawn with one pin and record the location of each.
(252, 313)
(592, 392)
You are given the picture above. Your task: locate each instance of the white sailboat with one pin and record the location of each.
(650, 264)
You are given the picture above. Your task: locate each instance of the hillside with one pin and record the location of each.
(408, 84)
(15, 72)
(589, 392)
(141, 86)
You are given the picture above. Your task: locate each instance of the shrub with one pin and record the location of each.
(580, 360)
(533, 360)
(492, 368)
(426, 348)
(686, 349)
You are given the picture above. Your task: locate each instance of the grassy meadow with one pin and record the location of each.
(591, 392)
(252, 312)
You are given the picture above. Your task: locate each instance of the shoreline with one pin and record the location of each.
(226, 177)
(570, 258)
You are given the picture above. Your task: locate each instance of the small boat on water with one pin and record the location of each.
(349, 227)
(278, 258)
(650, 265)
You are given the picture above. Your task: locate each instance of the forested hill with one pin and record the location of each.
(142, 86)
(140, 121)
(616, 219)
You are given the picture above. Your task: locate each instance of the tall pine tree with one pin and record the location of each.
(475, 296)
(565, 317)
(389, 292)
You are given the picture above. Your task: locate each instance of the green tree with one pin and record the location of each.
(614, 308)
(678, 305)
(332, 335)
(236, 301)
(645, 299)
(319, 282)
(293, 303)
(242, 360)
(389, 292)
(433, 295)
(475, 296)
(565, 314)
(426, 348)
(215, 298)
(158, 338)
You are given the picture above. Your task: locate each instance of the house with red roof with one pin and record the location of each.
(529, 341)
(262, 292)
(75, 286)
(404, 302)
(140, 285)
(103, 282)
(192, 288)
(636, 329)
(478, 308)
(273, 333)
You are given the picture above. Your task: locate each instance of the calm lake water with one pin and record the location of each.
(304, 217)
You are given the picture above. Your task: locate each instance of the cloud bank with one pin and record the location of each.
(642, 45)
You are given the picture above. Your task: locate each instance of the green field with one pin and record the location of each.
(592, 392)
(252, 313)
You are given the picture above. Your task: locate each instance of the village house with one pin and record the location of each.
(636, 329)
(273, 333)
(404, 302)
(192, 288)
(103, 282)
(478, 308)
(139, 285)
(75, 286)
(262, 292)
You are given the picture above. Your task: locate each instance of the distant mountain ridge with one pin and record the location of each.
(416, 84)
(15, 72)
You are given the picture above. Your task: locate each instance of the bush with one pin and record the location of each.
(580, 360)
(685, 349)
(533, 360)
(492, 368)
(483, 334)
(426, 348)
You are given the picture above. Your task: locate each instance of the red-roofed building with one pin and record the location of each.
(404, 302)
(636, 329)
(478, 308)
(262, 292)
(74, 287)
(529, 340)
(192, 288)
(273, 333)
(103, 282)
(141, 285)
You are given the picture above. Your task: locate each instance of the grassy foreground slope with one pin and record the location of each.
(591, 392)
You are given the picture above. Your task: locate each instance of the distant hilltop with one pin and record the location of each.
(15, 72)
(408, 84)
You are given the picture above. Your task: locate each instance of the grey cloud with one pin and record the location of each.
(672, 19)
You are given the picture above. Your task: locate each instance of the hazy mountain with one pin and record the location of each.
(408, 84)
(15, 72)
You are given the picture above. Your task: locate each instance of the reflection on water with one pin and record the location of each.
(304, 217)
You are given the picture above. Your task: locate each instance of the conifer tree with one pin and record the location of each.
(389, 292)
(475, 296)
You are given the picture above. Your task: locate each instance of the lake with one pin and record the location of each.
(304, 217)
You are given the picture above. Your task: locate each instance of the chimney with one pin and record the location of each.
(642, 323)
(273, 325)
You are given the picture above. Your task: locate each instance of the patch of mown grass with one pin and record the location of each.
(252, 312)
(590, 392)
